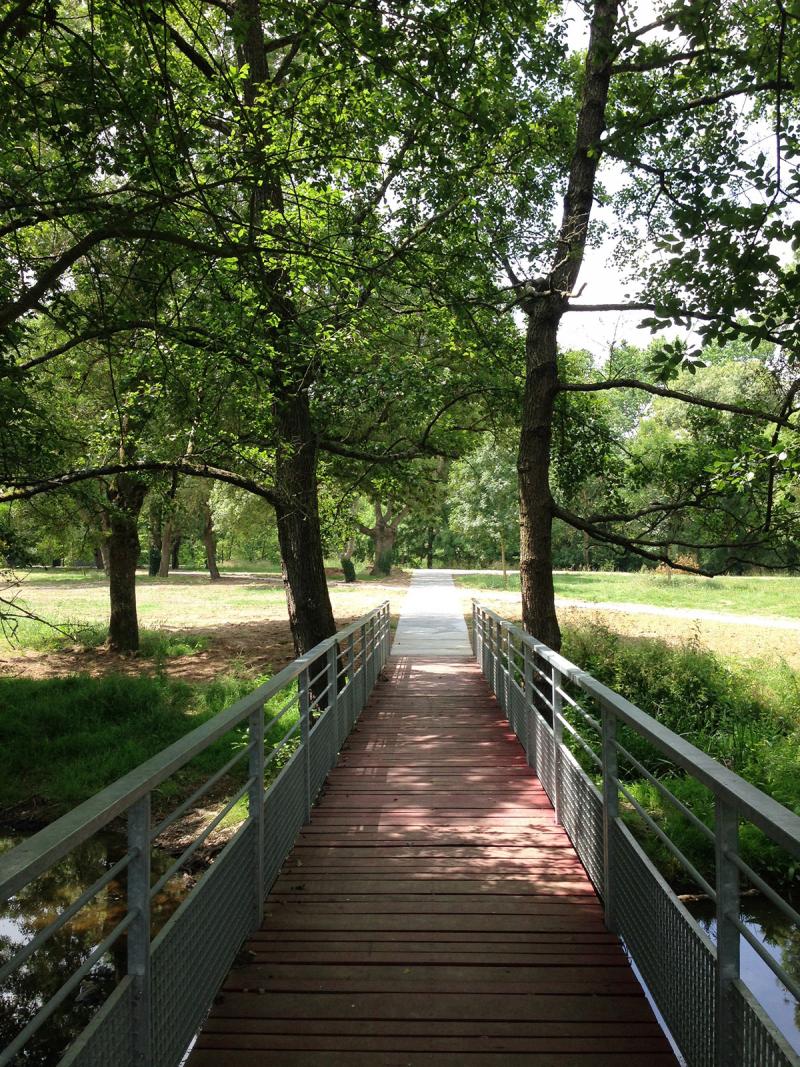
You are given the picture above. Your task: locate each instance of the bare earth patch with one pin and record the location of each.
(243, 618)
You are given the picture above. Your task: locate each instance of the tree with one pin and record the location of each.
(273, 229)
(665, 106)
(483, 501)
(383, 533)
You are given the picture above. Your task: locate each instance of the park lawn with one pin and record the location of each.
(190, 605)
(777, 597)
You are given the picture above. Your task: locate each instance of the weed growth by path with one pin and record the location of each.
(747, 717)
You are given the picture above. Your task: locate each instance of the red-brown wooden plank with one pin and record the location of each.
(432, 912)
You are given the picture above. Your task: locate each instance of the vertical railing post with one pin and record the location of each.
(530, 709)
(493, 632)
(610, 810)
(372, 653)
(556, 704)
(139, 930)
(507, 683)
(363, 634)
(256, 801)
(332, 682)
(305, 736)
(351, 677)
(726, 842)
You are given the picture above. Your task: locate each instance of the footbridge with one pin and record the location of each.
(443, 871)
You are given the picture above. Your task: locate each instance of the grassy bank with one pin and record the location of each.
(747, 717)
(64, 739)
(779, 597)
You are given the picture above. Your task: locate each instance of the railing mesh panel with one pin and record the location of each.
(323, 755)
(758, 1045)
(196, 948)
(516, 712)
(284, 814)
(343, 713)
(582, 817)
(107, 1039)
(546, 765)
(675, 959)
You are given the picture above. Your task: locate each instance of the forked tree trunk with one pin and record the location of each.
(126, 498)
(383, 535)
(384, 538)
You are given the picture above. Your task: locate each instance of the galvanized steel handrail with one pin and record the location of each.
(40, 852)
(521, 670)
(131, 1027)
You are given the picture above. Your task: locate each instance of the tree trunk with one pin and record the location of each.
(126, 498)
(297, 512)
(503, 562)
(99, 565)
(429, 548)
(533, 465)
(346, 559)
(544, 306)
(587, 562)
(384, 537)
(210, 542)
(167, 529)
(299, 537)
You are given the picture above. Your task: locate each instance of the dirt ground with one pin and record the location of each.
(245, 622)
(245, 630)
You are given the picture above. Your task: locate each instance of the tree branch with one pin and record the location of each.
(607, 536)
(677, 394)
(27, 489)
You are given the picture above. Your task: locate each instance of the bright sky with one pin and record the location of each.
(592, 331)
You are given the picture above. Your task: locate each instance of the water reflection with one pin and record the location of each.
(46, 970)
(782, 939)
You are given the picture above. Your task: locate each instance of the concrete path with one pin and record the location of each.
(431, 619)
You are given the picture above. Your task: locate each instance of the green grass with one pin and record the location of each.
(153, 644)
(64, 739)
(778, 597)
(746, 717)
(249, 566)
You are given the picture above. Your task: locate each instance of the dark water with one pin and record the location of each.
(46, 970)
(781, 938)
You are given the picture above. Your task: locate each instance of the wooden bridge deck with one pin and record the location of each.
(431, 912)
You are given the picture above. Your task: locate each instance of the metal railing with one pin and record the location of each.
(578, 734)
(169, 983)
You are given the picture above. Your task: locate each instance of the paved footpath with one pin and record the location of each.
(431, 619)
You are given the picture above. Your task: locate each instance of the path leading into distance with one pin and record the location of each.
(431, 619)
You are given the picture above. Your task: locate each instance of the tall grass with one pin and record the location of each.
(64, 739)
(747, 717)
